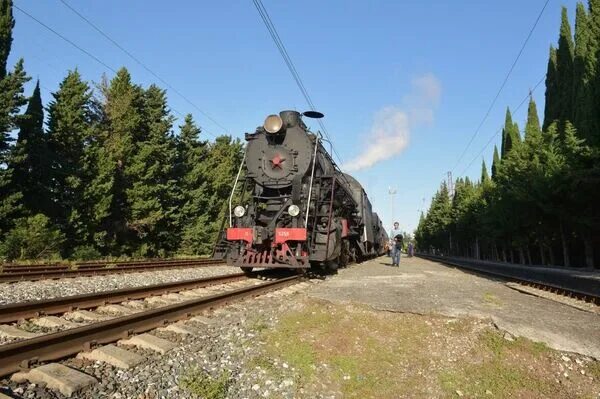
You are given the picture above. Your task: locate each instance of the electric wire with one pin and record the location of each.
(499, 130)
(502, 85)
(139, 62)
(290, 65)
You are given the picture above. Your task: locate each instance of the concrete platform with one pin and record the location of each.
(57, 377)
(149, 341)
(14, 332)
(114, 356)
(425, 287)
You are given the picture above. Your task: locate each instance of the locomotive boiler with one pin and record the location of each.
(291, 206)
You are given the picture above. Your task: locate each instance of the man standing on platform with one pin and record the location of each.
(396, 244)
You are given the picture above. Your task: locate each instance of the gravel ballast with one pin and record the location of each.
(45, 289)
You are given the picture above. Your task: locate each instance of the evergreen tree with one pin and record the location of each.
(551, 112)
(29, 158)
(533, 122)
(153, 196)
(580, 84)
(485, 177)
(7, 23)
(121, 127)
(11, 100)
(510, 135)
(495, 162)
(564, 69)
(194, 183)
(70, 121)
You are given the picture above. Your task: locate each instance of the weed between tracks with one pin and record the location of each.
(199, 383)
(355, 352)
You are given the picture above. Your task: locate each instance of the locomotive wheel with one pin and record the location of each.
(246, 270)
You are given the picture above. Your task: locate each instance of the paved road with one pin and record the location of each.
(422, 286)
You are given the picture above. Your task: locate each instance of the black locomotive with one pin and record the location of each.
(291, 207)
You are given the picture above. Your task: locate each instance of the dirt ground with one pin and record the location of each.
(428, 288)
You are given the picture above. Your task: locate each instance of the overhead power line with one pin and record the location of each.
(289, 63)
(499, 130)
(512, 67)
(92, 56)
(143, 65)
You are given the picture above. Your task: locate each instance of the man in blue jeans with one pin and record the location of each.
(396, 244)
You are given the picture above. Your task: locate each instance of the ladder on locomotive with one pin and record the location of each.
(323, 194)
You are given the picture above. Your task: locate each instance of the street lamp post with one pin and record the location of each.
(392, 192)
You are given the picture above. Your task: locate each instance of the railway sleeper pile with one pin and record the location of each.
(181, 313)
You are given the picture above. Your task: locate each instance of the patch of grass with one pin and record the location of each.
(259, 326)
(501, 379)
(200, 383)
(491, 299)
(593, 369)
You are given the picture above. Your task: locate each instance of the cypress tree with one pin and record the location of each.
(510, 135)
(551, 112)
(533, 122)
(7, 23)
(564, 69)
(29, 159)
(485, 177)
(495, 162)
(69, 130)
(580, 86)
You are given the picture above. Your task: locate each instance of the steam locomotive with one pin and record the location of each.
(292, 207)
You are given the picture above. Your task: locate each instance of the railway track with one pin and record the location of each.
(26, 353)
(17, 272)
(581, 285)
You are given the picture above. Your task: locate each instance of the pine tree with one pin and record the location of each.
(29, 158)
(485, 177)
(193, 183)
(564, 70)
(70, 121)
(153, 196)
(120, 129)
(533, 122)
(551, 112)
(495, 162)
(11, 100)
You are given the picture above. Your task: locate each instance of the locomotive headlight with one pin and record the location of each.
(273, 124)
(239, 211)
(294, 210)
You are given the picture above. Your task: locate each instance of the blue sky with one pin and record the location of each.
(416, 75)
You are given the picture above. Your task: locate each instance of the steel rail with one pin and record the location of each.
(55, 273)
(590, 292)
(10, 267)
(23, 354)
(25, 310)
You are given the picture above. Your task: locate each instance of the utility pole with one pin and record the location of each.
(450, 185)
(392, 192)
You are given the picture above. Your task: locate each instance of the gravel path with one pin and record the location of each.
(45, 289)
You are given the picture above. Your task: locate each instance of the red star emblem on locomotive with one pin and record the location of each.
(277, 161)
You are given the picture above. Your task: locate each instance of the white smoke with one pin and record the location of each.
(390, 133)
